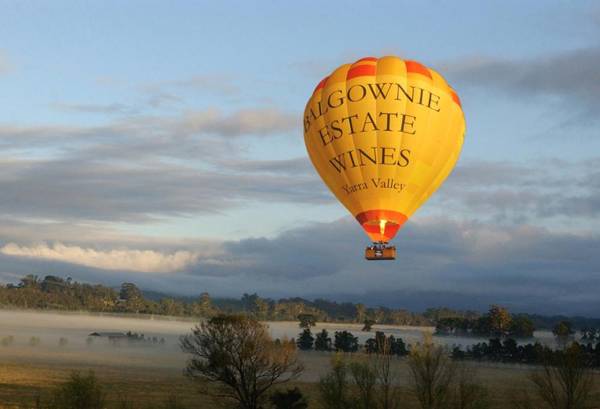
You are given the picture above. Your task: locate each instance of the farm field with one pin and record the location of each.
(148, 386)
(45, 347)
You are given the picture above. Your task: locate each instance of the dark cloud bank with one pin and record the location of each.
(440, 263)
(570, 79)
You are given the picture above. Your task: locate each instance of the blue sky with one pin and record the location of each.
(162, 142)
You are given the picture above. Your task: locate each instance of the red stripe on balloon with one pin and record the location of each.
(321, 84)
(361, 70)
(417, 68)
(455, 98)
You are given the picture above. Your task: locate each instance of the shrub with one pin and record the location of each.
(79, 392)
(432, 372)
(565, 380)
(8, 341)
(333, 387)
(290, 399)
(466, 392)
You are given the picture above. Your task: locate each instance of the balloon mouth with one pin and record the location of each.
(381, 225)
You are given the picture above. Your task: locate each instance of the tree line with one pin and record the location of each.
(57, 293)
(505, 350)
(509, 351)
(496, 322)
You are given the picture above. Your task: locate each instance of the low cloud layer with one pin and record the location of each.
(109, 188)
(124, 260)
(138, 169)
(80, 190)
(152, 132)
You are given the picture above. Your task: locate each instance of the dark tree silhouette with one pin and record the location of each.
(307, 321)
(323, 341)
(345, 342)
(290, 399)
(368, 325)
(305, 340)
(236, 354)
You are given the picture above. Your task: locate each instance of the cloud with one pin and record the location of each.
(534, 192)
(103, 235)
(107, 109)
(168, 134)
(525, 267)
(296, 166)
(461, 264)
(106, 184)
(264, 121)
(128, 260)
(571, 77)
(139, 193)
(138, 169)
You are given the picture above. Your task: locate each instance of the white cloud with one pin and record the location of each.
(258, 121)
(132, 260)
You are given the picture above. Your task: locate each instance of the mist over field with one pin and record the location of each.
(50, 327)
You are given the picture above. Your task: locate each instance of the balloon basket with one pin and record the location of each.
(380, 251)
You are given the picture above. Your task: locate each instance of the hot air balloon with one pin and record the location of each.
(383, 134)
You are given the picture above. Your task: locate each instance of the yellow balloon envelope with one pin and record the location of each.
(383, 134)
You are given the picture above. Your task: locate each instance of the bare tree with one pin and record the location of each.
(565, 381)
(388, 396)
(235, 354)
(432, 372)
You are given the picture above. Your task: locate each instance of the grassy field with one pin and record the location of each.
(20, 383)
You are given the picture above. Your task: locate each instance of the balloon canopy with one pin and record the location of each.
(383, 134)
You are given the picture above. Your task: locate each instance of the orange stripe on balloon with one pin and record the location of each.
(375, 234)
(381, 214)
(361, 70)
(321, 84)
(455, 98)
(372, 222)
(413, 66)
